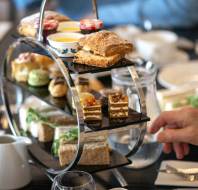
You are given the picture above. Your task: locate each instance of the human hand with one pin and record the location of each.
(180, 129)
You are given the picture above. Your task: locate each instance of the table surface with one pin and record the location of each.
(142, 179)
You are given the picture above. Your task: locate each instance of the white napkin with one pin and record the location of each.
(172, 179)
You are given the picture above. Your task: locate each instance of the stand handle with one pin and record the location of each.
(42, 15)
(14, 128)
(142, 102)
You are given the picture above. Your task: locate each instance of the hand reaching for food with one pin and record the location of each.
(180, 129)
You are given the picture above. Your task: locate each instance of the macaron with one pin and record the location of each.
(38, 77)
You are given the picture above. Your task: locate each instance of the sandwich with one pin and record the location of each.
(95, 152)
(102, 49)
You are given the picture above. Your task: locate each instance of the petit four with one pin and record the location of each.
(91, 107)
(118, 106)
(82, 84)
(55, 72)
(102, 49)
(88, 26)
(26, 62)
(29, 25)
(58, 87)
(22, 65)
(38, 78)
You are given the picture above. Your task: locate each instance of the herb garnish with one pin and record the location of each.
(69, 136)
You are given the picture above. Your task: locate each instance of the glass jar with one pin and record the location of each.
(150, 151)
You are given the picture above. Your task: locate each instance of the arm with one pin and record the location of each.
(162, 13)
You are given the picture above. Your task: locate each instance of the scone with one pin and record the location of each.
(102, 49)
(58, 88)
(87, 58)
(105, 43)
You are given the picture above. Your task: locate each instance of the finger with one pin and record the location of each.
(166, 118)
(167, 148)
(186, 148)
(173, 135)
(178, 148)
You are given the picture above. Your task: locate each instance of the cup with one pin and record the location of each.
(15, 170)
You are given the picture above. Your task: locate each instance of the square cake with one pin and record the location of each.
(92, 110)
(118, 106)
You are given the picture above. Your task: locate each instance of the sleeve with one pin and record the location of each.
(161, 13)
(26, 4)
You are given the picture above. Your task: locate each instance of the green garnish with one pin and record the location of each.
(34, 116)
(71, 135)
(24, 133)
(177, 104)
(193, 101)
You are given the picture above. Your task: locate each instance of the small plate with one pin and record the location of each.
(178, 75)
(170, 179)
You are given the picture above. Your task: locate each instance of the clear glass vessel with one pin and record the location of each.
(150, 151)
(73, 180)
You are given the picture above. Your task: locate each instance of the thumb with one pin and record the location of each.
(173, 135)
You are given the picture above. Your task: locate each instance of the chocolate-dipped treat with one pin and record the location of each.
(58, 87)
(104, 96)
(118, 106)
(82, 84)
(91, 107)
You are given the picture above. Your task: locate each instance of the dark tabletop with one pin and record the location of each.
(142, 179)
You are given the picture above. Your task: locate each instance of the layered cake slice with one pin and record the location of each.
(91, 107)
(118, 105)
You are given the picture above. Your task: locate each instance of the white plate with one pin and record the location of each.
(172, 179)
(127, 32)
(177, 75)
(147, 43)
(169, 55)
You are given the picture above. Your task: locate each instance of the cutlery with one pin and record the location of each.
(190, 174)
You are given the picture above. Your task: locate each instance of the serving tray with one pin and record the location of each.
(38, 151)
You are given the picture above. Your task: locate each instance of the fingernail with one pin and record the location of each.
(179, 156)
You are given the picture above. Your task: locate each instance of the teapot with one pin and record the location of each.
(14, 167)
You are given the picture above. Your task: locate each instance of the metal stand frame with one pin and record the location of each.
(81, 125)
